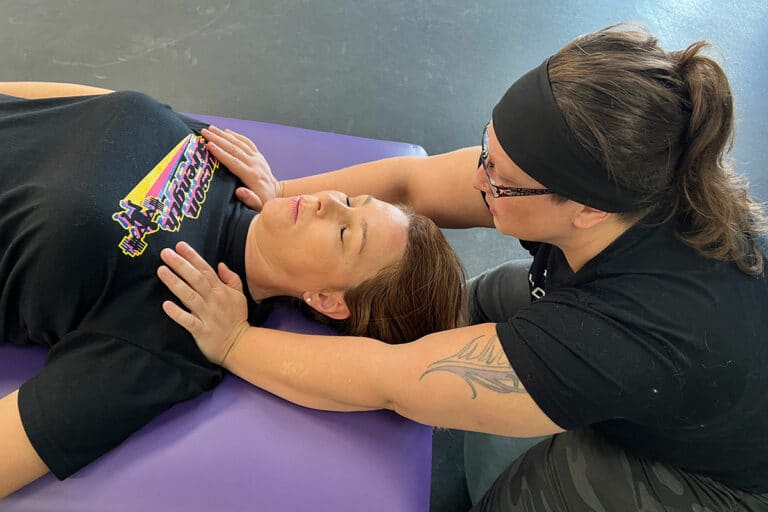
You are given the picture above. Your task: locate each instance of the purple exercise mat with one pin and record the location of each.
(240, 448)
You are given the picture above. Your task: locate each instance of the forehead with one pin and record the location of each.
(504, 166)
(386, 219)
(387, 232)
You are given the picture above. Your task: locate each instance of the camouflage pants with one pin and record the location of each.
(580, 471)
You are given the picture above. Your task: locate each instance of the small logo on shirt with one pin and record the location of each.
(173, 190)
(537, 292)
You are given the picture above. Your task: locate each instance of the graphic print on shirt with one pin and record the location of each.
(537, 291)
(174, 189)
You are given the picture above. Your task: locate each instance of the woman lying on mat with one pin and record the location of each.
(92, 187)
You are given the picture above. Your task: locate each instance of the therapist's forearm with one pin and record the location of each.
(439, 186)
(303, 369)
(386, 179)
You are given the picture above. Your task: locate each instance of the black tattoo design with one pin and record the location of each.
(484, 366)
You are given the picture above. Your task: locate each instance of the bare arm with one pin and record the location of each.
(438, 186)
(457, 379)
(39, 90)
(19, 464)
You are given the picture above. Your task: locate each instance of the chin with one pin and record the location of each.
(505, 229)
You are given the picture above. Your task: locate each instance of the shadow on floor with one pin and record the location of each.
(449, 489)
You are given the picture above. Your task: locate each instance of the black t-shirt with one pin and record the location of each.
(660, 349)
(91, 189)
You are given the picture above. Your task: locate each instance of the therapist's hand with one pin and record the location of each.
(241, 156)
(218, 311)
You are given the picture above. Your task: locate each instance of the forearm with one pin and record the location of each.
(456, 379)
(438, 186)
(19, 464)
(330, 373)
(386, 179)
(39, 90)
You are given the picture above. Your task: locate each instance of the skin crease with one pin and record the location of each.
(295, 246)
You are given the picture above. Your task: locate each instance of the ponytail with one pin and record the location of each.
(724, 221)
(661, 123)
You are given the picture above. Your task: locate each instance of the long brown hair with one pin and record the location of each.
(424, 292)
(662, 123)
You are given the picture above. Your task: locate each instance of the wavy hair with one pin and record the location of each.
(662, 124)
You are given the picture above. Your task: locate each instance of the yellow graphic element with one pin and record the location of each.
(141, 190)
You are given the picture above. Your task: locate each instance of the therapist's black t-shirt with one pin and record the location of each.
(657, 347)
(91, 189)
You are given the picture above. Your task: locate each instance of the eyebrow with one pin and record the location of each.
(364, 225)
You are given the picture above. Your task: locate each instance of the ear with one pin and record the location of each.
(587, 217)
(330, 304)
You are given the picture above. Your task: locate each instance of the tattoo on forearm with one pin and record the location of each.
(482, 364)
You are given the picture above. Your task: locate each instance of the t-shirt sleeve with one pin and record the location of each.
(581, 365)
(94, 391)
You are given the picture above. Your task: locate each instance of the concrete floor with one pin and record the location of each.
(421, 71)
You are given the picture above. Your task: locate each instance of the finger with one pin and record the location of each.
(230, 278)
(185, 319)
(198, 263)
(184, 269)
(181, 289)
(249, 198)
(245, 140)
(231, 137)
(230, 144)
(230, 161)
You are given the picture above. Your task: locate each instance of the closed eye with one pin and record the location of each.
(343, 229)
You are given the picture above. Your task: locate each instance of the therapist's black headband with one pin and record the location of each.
(533, 133)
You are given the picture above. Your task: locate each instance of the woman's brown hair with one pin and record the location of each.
(424, 292)
(662, 124)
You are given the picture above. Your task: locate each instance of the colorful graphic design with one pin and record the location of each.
(174, 189)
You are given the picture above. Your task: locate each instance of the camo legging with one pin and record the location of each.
(580, 471)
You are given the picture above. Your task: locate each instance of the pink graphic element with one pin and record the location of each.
(156, 190)
(179, 192)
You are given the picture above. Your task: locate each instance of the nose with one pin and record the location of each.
(328, 203)
(479, 180)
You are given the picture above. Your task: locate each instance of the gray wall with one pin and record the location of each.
(419, 71)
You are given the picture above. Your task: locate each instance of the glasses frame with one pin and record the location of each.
(498, 191)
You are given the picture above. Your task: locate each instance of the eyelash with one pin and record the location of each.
(341, 233)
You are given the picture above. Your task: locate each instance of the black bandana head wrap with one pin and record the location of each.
(533, 133)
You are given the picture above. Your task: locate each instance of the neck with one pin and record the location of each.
(261, 275)
(585, 244)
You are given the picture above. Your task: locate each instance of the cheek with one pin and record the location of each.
(514, 217)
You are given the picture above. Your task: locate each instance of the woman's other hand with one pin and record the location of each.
(218, 311)
(241, 156)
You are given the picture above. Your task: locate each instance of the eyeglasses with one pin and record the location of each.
(500, 190)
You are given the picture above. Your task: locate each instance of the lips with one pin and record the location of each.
(295, 202)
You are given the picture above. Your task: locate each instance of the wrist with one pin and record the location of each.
(280, 190)
(237, 335)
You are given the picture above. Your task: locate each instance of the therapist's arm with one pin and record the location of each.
(439, 186)
(19, 463)
(458, 379)
(40, 90)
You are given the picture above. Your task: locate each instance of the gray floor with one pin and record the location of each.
(426, 72)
